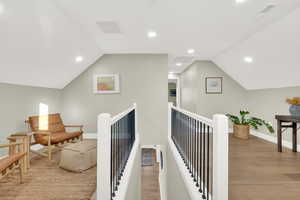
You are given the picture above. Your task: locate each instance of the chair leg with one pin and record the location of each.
(21, 166)
(49, 152)
(49, 148)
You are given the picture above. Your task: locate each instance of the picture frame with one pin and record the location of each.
(106, 83)
(214, 85)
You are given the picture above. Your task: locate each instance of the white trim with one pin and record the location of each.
(149, 146)
(123, 187)
(124, 113)
(194, 115)
(90, 136)
(117, 83)
(190, 185)
(178, 89)
(273, 139)
(220, 157)
(104, 123)
(103, 156)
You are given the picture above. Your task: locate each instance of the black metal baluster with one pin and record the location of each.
(119, 155)
(195, 149)
(200, 156)
(186, 140)
(189, 144)
(197, 154)
(204, 163)
(192, 148)
(208, 163)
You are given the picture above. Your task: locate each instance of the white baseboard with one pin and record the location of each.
(272, 139)
(90, 136)
(149, 146)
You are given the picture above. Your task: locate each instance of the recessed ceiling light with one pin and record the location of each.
(152, 34)
(178, 64)
(191, 51)
(248, 59)
(240, 1)
(79, 59)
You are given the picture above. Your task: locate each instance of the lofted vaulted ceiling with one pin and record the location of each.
(41, 39)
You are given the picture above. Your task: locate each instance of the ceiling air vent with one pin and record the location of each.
(183, 59)
(109, 27)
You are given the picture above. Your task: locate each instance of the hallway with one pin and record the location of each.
(257, 171)
(150, 175)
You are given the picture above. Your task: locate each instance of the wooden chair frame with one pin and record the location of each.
(50, 146)
(18, 164)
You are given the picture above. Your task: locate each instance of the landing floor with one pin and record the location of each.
(46, 181)
(258, 172)
(150, 183)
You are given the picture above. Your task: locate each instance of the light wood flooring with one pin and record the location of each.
(258, 172)
(150, 183)
(46, 181)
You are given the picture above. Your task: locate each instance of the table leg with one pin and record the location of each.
(279, 136)
(294, 137)
(12, 149)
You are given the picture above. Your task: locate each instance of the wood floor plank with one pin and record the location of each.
(257, 171)
(150, 183)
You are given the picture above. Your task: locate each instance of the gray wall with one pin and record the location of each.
(195, 99)
(19, 102)
(176, 189)
(134, 185)
(267, 103)
(143, 79)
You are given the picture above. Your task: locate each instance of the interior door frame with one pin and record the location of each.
(178, 92)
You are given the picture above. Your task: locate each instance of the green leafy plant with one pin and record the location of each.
(249, 121)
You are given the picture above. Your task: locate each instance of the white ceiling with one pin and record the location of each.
(40, 39)
(275, 52)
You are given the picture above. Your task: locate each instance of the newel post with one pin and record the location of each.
(103, 157)
(220, 158)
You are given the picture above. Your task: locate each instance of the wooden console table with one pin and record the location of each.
(287, 121)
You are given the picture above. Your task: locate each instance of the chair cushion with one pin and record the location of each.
(55, 123)
(57, 137)
(7, 161)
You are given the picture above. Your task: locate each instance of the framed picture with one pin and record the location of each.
(214, 85)
(106, 83)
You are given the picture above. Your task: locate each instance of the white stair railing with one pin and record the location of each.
(118, 142)
(200, 148)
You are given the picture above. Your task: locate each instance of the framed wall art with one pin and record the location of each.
(214, 85)
(106, 83)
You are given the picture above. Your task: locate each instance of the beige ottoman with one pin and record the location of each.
(79, 156)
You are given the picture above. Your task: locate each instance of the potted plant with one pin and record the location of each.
(294, 106)
(241, 126)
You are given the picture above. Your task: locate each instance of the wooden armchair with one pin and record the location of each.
(54, 134)
(14, 160)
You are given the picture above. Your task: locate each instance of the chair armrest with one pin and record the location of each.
(11, 144)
